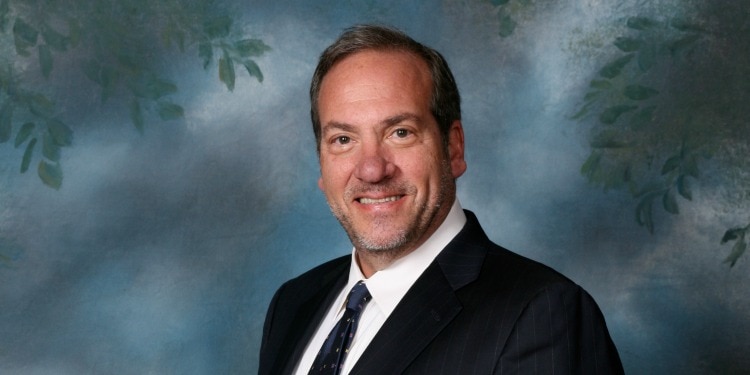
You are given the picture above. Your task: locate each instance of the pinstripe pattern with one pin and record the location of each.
(478, 309)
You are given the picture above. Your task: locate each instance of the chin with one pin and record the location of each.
(390, 244)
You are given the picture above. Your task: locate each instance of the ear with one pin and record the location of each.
(320, 183)
(456, 148)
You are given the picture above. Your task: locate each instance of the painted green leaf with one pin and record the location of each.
(226, 71)
(50, 149)
(45, 60)
(686, 25)
(24, 36)
(683, 187)
(581, 112)
(591, 95)
(639, 92)
(507, 25)
(6, 122)
(737, 250)
(50, 173)
(27, 155)
(614, 68)
(206, 52)
(23, 134)
(644, 214)
(40, 106)
(690, 167)
(680, 45)
(61, 134)
(218, 27)
(733, 234)
(253, 69)
(53, 39)
(170, 111)
(626, 44)
(669, 202)
(152, 88)
(650, 188)
(136, 115)
(641, 23)
(608, 139)
(591, 164)
(4, 11)
(129, 63)
(671, 164)
(611, 114)
(251, 47)
(601, 84)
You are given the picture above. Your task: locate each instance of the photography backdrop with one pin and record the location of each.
(159, 170)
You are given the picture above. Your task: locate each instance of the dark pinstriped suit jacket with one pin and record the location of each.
(477, 309)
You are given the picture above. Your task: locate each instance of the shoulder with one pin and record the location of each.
(472, 248)
(499, 272)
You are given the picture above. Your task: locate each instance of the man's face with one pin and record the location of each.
(385, 172)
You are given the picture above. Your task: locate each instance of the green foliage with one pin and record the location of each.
(614, 68)
(23, 134)
(508, 14)
(170, 111)
(6, 122)
(51, 174)
(671, 94)
(740, 245)
(112, 42)
(24, 35)
(27, 155)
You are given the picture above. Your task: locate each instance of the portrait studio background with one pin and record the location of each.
(169, 169)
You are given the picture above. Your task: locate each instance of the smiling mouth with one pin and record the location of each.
(380, 200)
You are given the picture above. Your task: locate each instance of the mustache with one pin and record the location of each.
(390, 188)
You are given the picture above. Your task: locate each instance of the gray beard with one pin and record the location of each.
(400, 242)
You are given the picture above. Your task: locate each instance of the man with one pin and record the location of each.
(432, 294)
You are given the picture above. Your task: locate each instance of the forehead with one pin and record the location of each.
(377, 73)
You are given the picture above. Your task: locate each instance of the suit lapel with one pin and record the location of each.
(309, 314)
(428, 307)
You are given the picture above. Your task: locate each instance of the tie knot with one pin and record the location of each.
(358, 297)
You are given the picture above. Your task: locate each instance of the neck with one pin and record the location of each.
(372, 261)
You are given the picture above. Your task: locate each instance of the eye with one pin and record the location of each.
(342, 140)
(401, 133)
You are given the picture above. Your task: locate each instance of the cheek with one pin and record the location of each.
(333, 177)
(422, 167)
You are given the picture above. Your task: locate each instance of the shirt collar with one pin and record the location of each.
(389, 285)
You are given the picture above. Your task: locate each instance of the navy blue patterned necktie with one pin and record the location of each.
(334, 350)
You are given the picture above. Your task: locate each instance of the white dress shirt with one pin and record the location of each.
(387, 287)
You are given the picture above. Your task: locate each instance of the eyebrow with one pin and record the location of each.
(390, 121)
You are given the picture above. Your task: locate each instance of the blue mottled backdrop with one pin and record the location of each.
(159, 170)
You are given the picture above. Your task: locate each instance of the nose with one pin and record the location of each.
(374, 166)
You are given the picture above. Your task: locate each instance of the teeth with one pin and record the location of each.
(376, 201)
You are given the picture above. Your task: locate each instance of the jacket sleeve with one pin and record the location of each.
(560, 331)
(266, 359)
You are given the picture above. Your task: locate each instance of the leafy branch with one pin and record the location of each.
(114, 41)
(508, 13)
(37, 113)
(670, 97)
